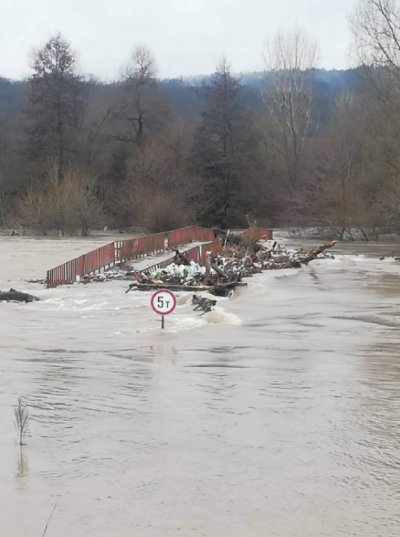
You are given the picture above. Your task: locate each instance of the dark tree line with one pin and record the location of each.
(293, 146)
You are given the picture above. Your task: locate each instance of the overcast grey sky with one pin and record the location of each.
(187, 37)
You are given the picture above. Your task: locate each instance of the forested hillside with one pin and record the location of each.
(292, 145)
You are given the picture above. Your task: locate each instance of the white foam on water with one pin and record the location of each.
(184, 299)
(285, 273)
(220, 316)
(182, 323)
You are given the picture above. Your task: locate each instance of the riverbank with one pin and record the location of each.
(326, 233)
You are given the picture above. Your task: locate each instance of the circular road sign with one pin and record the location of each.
(163, 302)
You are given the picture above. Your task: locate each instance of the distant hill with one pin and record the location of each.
(12, 95)
(187, 94)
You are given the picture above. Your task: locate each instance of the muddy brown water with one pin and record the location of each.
(278, 414)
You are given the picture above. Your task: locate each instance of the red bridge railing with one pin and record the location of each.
(72, 271)
(197, 253)
(118, 251)
(200, 253)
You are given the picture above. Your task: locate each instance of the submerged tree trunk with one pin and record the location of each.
(19, 296)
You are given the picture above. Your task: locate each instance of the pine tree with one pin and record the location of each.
(224, 149)
(55, 105)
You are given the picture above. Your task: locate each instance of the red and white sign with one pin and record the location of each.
(163, 302)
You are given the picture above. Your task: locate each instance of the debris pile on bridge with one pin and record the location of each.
(224, 271)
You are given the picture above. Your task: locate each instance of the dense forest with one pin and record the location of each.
(293, 145)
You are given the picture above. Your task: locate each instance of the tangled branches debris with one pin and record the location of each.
(224, 271)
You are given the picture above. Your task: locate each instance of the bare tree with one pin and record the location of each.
(376, 32)
(160, 191)
(140, 78)
(21, 416)
(63, 206)
(375, 27)
(141, 107)
(338, 169)
(289, 61)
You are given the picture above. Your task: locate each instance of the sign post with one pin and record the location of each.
(163, 302)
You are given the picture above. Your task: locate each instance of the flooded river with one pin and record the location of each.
(278, 414)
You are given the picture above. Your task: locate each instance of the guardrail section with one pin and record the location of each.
(116, 252)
